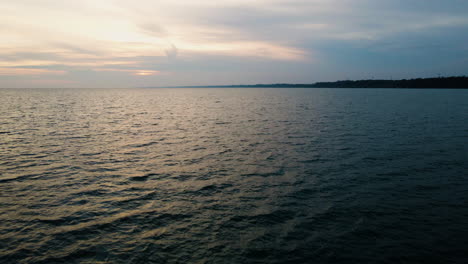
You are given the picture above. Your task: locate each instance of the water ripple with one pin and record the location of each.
(233, 176)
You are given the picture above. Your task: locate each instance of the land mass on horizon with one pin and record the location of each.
(455, 82)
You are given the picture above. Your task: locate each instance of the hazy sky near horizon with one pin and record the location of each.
(122, 43)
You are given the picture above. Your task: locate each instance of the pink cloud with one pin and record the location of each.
(29, 71)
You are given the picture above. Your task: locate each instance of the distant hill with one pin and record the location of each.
(459, 82)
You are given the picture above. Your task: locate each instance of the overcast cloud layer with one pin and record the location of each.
(122, 43)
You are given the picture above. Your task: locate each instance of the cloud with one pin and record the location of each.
(323, 36)
(172, 52)
(137, 72)
(94, 33)
(154, 29)
(28, 71)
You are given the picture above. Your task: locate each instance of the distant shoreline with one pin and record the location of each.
(457, 82)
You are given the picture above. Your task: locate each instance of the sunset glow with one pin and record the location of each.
(203, 42)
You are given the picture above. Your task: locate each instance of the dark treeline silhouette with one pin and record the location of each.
(460, 82)
(445, 82)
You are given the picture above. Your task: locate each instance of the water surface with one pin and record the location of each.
(233, 176)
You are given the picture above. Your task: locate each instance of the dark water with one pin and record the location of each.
(233, 176)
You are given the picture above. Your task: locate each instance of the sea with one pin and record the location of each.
(233, 175)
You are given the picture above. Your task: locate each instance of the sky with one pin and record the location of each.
(123, 43)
